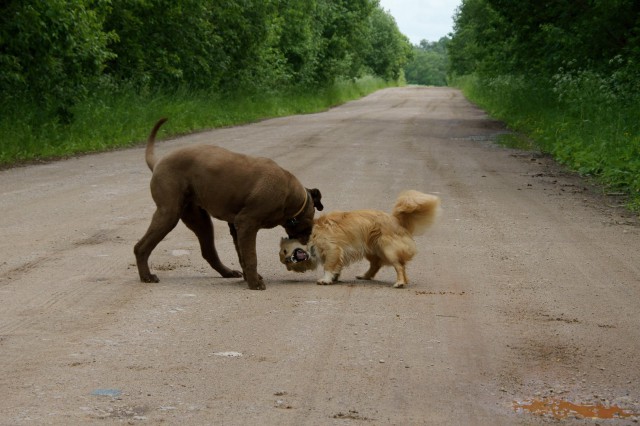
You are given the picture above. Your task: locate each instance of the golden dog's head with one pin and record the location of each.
(297, 256)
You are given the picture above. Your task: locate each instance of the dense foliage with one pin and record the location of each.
(429, 64)
(53, 53)
(565, 72)
(86, 75)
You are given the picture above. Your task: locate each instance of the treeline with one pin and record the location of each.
(564, 72)
(56, 53)
(541, 38)
(429, 64)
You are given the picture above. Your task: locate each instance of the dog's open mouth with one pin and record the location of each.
(298, 255)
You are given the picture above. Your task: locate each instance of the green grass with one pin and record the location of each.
(111, 120)
(582, 120)
(516, 141)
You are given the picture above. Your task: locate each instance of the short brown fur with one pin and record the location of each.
(250, 193)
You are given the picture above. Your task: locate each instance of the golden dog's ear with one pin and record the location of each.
(316, 196)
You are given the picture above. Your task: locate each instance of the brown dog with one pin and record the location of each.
(249, 193)
(339, 238)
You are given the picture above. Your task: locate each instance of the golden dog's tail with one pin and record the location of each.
(416, 211)
(149, 155)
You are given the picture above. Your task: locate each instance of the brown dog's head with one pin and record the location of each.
(296, 256)
(300, 226)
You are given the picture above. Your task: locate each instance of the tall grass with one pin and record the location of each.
(585, 120)
(120, 118)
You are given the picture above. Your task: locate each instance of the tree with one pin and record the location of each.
(51, 52)
(537, 38)
(480, 42)
(165, 43)
(55, 52)
(388, 50)
(429, 63)
(298, 40)
(342, 28)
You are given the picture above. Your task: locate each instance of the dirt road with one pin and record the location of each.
(527, 290)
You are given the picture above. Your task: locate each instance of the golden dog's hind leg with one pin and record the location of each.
(374, 266)
(401, 279)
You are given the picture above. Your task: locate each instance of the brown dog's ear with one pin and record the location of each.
(316, 196)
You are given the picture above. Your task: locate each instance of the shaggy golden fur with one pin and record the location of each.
(340, 238)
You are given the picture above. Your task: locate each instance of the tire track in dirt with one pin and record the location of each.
(64, 290)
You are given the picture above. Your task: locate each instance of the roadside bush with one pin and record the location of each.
(52, 53)
(86, 75)
(119, 118)
(567, 76)
(581, 119)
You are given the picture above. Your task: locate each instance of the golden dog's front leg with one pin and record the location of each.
(328, 278)
(332, 264)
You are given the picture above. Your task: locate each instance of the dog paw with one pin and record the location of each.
(398, 285)
(363, 277)
(232, 274)
(257, 286)
(324, 282)
(150, 279)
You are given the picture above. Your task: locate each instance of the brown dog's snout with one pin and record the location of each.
(300, 228)
(302, 236)
(304, 239)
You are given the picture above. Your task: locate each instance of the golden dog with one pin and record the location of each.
(340, 238)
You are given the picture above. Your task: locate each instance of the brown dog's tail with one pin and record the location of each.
(149, 155)
(416, 211)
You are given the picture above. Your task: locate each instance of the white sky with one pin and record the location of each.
(422, 19)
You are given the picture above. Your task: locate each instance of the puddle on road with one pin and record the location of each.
(559, 409)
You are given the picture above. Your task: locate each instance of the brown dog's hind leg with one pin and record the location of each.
(199, 221)
(234, 235)
(161, 224)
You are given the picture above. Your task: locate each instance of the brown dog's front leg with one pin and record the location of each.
(245, 239)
